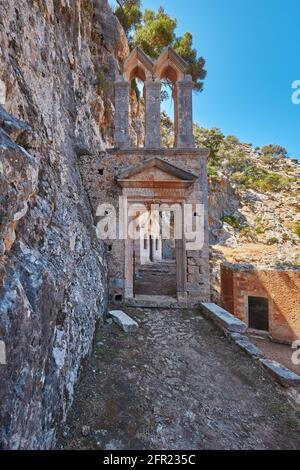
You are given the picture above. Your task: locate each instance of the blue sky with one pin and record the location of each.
(252, 52)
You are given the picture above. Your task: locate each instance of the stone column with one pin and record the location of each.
(122, 113)
(129, 269)
(152, 114)
(185, 137)
(157, 249)
(175, 101)
(144, 249)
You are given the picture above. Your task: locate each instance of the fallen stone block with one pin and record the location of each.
(2, 353)
(223, 318)
(127, 324)
(283, 375)
(246, 344)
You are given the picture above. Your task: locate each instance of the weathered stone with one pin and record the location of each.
(194, 278)
(152, 98)
(85, 430)
(193, 269)
(18, 183)
(122, 113)
(2, 353)
(127, 324)
(185, 138)
(2, 92)
(244, 343)
(283, 375)
(223, 318)
(12, 126)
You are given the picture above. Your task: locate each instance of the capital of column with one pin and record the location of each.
(186, 82)
(121, 84)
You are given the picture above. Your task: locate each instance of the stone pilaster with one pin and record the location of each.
(152, 118)
(122, 114)
(185, 138)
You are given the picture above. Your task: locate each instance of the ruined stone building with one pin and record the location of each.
(153, 270)
(267, 300)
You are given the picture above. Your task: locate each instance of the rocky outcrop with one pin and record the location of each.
(58, 61)
(251, 226)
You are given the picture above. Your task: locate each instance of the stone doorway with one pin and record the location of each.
(155, 267)
(258, 313)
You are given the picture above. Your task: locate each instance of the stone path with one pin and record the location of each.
(177, 383)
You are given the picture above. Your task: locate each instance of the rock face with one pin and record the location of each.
(254, 227)
(58, 61)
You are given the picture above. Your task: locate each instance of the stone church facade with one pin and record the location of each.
(151, 269)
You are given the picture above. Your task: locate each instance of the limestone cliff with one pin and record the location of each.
(254, 226)
(58, 61)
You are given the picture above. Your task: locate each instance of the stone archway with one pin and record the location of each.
(164, 187)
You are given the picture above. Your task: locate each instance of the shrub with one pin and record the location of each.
(272, 182)
(231, 220)
(212, 171)
(237, 161)
(101, 83)
(260, 179)
(274, 150)
(259, 230)
(297, 228)
(247, 232)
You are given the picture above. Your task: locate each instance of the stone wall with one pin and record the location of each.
(99, 178)
(58, 62)
(280, 287)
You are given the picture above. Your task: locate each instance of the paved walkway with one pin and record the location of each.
(177, 383)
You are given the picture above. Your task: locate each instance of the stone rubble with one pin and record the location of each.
(127, 324)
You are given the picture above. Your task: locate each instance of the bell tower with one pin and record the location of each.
(167, 264)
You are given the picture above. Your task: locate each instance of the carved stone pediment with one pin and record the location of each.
(170, 65)
(139, 65)
(156, 173)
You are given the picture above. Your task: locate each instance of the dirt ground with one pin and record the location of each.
(277, 352)
(176, 383)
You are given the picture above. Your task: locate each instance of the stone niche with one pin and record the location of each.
(267, 300)
(150, 270)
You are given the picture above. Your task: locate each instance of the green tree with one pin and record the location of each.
(272, 150)
(157, 30)
(184, 47)
(129, 14)
(209, 138)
